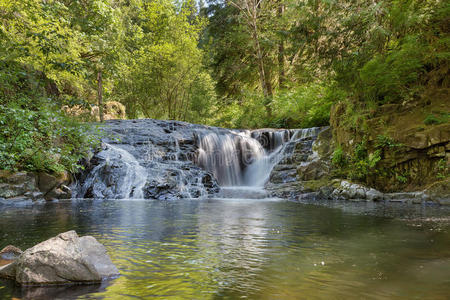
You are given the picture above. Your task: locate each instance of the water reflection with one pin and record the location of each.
(50, 292)
(215, 249)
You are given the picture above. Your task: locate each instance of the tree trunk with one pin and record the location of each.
(100, 95)
(250, 9)
(265, 84)
(281, 71)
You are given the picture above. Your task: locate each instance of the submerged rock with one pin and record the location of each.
(66, 258)
(10, 252)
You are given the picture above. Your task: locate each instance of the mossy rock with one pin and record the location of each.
(316, 185)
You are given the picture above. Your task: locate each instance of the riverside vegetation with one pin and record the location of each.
(377, 72)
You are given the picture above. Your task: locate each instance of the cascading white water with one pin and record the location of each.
(257, 173)
(238, 159)
(305, 133)
(136, 176)
(130, 182)
(154, 160)
(226, 155)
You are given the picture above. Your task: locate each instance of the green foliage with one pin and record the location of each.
(338, 158)
(250, 113)
(401, 178)
(443, 169)
(383, 141)
(363, 163)
(42, 139)
(35, 134)
(432, 119)
(305, 106)
(162, 74)
(373, 53)
(389, 78)
(302, 107)
(357, 165)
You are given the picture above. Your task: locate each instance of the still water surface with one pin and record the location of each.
(243, 249)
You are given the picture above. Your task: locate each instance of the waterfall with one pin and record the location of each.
(226, 155)
(305, 133)
(170, 159)
(246, 158)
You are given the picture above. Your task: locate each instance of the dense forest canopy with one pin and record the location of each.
(236, 63)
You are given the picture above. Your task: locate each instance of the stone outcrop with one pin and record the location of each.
(28, 188)
(66, 258)
(9, 254)
(356, 192)
(19, 188)
(439, 192)
(165, 160)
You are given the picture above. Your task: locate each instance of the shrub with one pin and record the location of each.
(358, 165)
(305, 106)
(339, 158)
(431, 119)
(442, 169)
(401, 178)
(41, 140)
(390, 77)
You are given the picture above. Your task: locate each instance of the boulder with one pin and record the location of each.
(312, 170)
(17, 178)
(8, 255)
(66, 258)
(8, 190)
(348, 190)
(8, 270)
(48, 182)
(34, 195)
(19, 188)
(59, 193)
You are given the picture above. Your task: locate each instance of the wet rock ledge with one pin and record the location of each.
(64, 259)
(27, 188)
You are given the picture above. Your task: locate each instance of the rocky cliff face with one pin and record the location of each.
(307, 173)
(301, 163)
(413, 141)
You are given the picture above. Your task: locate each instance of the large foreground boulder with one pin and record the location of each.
(66, 258)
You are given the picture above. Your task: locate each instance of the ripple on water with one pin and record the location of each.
(257, 250)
